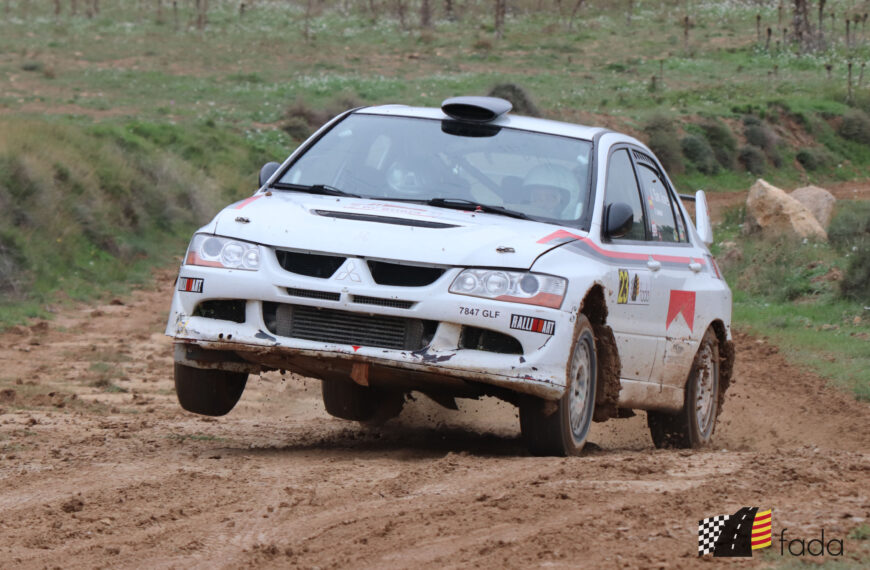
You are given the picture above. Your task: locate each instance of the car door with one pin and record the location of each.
(676, 264)
(632, 313)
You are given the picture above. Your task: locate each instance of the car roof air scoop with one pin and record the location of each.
(475, 109)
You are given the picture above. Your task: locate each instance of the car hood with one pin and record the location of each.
(389, 230)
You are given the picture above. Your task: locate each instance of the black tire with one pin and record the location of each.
(350, 401)
(560, 428)
(693, 426)
(208, 392)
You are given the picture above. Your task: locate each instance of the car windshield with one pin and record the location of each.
(533, 174)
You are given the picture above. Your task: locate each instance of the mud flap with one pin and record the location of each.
(726, 368)
(609, 370)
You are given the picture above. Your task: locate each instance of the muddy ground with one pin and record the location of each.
(99, 467)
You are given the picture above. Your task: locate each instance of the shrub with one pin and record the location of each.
(297, 127)
(518, 96)
(850, 225)
(856, 280)
(664, 143)
(780, 270)
(751, 158)
(301, 120)
(814, 158)
(699, 153)
(761, 136)
(722, 142)
(855, 126)
(775, 158)
(750, 120)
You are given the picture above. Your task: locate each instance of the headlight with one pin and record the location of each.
(514, 286)
(213, 251)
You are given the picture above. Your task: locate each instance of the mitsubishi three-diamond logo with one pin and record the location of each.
(348, 272)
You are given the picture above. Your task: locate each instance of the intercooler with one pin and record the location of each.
(345, 327)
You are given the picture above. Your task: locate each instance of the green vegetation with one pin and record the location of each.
(810, 298)
(87, 208)
(122, 131)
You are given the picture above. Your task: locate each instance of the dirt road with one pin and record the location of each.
(99, 467)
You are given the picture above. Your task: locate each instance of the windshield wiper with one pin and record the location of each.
(463, 204)
(314, 189)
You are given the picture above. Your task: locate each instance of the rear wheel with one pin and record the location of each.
(208, 392)
(561, 428)
(692, 427)
(350, 401)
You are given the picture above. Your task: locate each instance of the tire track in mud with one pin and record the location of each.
(90, 477)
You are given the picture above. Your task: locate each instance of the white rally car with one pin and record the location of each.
(461, 252)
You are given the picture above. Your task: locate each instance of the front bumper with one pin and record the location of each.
(538, 368)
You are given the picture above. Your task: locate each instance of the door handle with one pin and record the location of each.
(653, 264)
(696, 267)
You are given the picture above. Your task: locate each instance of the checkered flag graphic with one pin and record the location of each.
(709, 530)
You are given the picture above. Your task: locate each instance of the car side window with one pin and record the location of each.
(621, 186)
(663, 224)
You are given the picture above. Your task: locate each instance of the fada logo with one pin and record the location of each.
(735, 535)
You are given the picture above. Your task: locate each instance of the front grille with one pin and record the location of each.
(312, 294)
(344, 327)
(395, 303)
(310, 264)
(397, 274)
(224, 310)
(490, 341)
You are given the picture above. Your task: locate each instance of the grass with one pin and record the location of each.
(821, 337)
(102, 375)
(90, 209)
(790, 292)
(120, 133)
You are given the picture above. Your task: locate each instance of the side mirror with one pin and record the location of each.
(267, 171)
(618, 219)
(702, 218)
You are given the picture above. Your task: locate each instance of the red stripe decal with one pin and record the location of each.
(247, 201)
(765, 518)
(614, 254)
(621, 255)
(563, 234)
(762, 541)
(560, 234)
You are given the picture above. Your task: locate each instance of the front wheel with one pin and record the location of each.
(692, 427)
(208, 392)
(561, 427)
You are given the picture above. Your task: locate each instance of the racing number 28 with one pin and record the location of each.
(622, 295)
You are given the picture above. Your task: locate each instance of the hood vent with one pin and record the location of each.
(384, 219)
